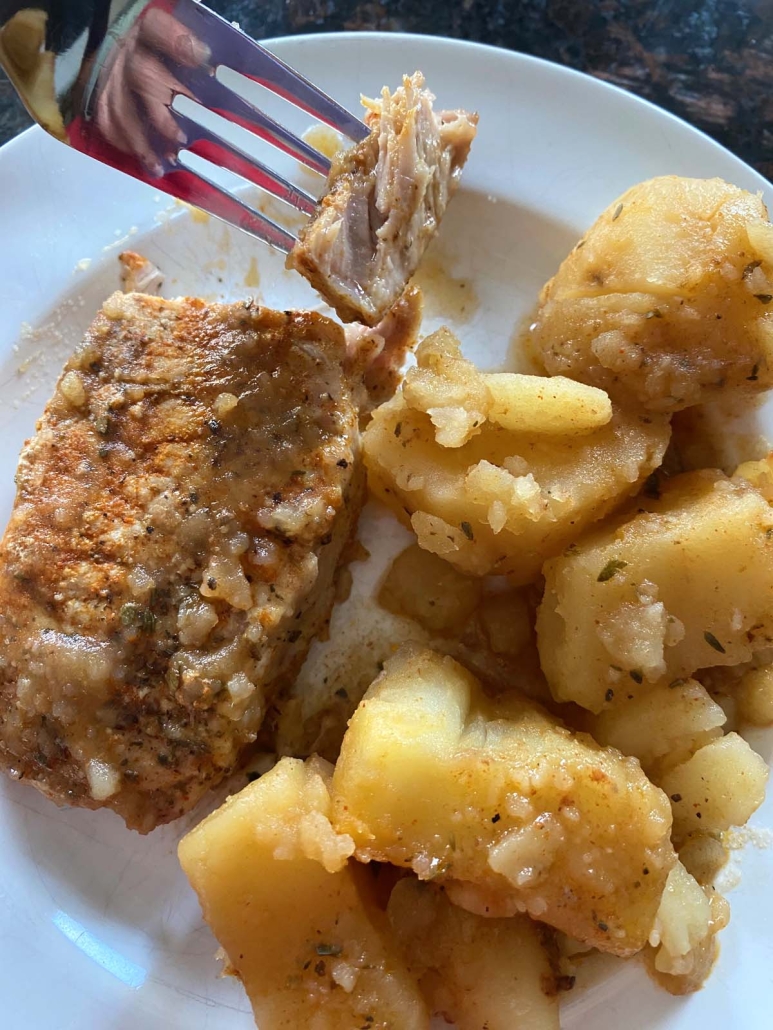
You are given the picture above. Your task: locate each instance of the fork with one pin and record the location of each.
(105, 79)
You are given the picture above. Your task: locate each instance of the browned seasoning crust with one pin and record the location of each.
(179, 517)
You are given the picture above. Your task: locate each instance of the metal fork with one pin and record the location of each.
(103, 77)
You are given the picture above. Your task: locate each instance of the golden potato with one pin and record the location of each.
(665, 721)
(275, 887)
(759, 474)
(535, 404)
(665, 301)
(459, 398)
(681, 586)
(754, 696)
(682, 922)
(720, 786)
(488, 499)
(426, 588)
(477, 972)
(688, 919)
(499, 795)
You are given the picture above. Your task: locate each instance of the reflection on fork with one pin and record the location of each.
(108, 87)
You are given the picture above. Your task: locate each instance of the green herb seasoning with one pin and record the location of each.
(613, 565)
(712, 641)
(466, 528)
(135, 615)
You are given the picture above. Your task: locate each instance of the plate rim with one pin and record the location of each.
(653, 113)
(453, 43)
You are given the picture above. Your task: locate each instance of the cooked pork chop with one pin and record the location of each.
(180, 514)
(384, 202)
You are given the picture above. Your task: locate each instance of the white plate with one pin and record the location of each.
(98, 928)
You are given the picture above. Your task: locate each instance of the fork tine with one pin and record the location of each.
(198, 189)
(211, 146)
(211, 93)
(230, 47)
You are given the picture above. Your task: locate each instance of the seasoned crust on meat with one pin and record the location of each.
(384, 202)
(171, 553)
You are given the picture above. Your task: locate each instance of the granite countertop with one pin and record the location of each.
(709, 63)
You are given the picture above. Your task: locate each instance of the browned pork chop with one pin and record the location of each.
(384, 202)
(171, 553)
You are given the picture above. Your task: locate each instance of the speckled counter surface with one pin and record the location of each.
(709, 62)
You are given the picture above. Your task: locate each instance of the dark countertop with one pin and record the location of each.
(710, 63)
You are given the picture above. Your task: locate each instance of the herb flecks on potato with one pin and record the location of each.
(503, 804)
(682, 585)
(496, 473)
(291, 912)
(667, 301)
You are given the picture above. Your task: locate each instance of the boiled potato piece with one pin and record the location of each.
(426, 588)
(435, 777)
(666, 301)
(754, 696)
(477, 972)
(720, 786)
(275, 887)
(662, 722)
(458, 398)
(681, 586)
(688, 919)
(682, 922)
(495, 500)
(759, 474)
(535, 404)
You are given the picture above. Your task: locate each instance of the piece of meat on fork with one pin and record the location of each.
(384, 201)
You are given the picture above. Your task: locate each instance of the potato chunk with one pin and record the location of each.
(491, 499)
(426, 588)
(456, 395)
(754, 696)
(276, 889)
(720, 786)
(477, 972)
(682, 586)
(498, 794)
(688, 919)
(665, 302)
(662, 722)
(759, 474)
